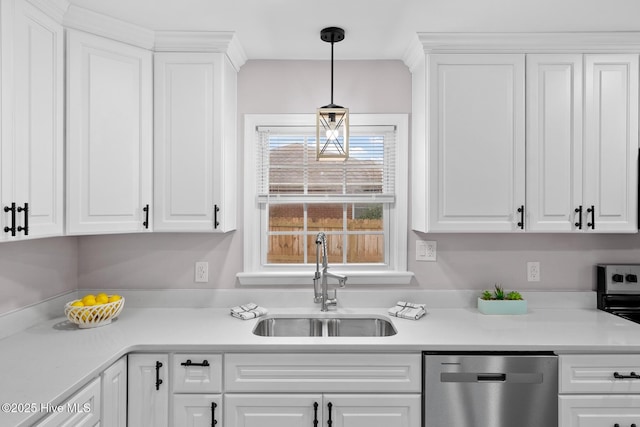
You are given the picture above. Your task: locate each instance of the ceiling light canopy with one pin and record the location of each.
(332, 121)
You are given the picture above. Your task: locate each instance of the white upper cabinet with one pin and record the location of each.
(32, 123)
(611, 143)
(554, 142)
(109, 136)
(469, 155)
(194, 142)
(476, 142)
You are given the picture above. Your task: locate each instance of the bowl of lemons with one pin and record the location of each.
(94, 310)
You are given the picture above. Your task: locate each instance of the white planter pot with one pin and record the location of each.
(502, 306)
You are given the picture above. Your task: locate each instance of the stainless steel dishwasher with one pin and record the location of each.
(490, 389)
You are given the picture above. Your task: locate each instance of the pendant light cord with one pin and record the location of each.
(332, 71)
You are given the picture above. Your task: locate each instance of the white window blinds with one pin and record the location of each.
(288, 171)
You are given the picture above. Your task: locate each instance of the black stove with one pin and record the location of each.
(618, 290)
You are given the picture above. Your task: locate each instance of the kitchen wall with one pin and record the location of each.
(35, 270)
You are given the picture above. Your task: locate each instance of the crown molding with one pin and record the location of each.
(556, 42)
(202, 41)
(55, 9)
(78, 18)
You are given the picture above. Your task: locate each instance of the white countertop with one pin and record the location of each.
(50, 361)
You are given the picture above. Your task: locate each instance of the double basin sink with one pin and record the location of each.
(303, 326)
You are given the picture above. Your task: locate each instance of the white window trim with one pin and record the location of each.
(255, 273)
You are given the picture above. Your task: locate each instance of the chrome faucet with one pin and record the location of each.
(320, 285)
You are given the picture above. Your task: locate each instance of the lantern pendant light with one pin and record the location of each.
(332, 121)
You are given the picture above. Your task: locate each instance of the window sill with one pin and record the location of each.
(292, 278)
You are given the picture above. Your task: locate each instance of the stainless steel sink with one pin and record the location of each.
(276, 326)
(288, 327)
(355, 327)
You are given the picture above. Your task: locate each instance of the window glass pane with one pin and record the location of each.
(285, 249)
(365, 217)
(365, 248)
(334, 248)
(325, 217)
(289, 217)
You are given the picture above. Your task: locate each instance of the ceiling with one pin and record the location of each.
(375, 29)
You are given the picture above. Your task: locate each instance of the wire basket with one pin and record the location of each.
(94, 315)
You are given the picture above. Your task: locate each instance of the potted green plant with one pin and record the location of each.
(501, 302)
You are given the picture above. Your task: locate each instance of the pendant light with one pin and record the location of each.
(332, 121)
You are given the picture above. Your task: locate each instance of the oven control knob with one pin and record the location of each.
(631, 278)
(617, 278)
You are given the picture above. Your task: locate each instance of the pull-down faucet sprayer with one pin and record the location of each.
(320, 285)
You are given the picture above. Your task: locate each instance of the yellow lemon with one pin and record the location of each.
(77, 303)
(114, 298)
(102, 294)
(102, 299)
(88, 297)
(89, 301)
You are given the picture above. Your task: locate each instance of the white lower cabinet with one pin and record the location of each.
(343, 410)
(350, 390)
(114, 394)
(148, 390)
(80, 410)
(599, 390)
(197, 410)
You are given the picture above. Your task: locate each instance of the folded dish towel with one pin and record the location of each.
(248, 311)
(408, 310)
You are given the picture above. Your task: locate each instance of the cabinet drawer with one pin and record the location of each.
(598, 410)
(596, 373)
(197, 373)
(81, 410)
(322, 372)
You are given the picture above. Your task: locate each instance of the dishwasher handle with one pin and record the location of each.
(489, 377)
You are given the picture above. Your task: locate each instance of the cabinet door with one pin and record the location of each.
(197, 410)
(554, 142)
(148, 397)
(81, 410)
(378, 410)
(272, 410)
(476, 166)
(114, 394)
(109, 135)
(611, 142)
(32, 172)
(599, 410)
(192, 161)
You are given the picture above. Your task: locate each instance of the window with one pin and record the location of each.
(360, 204)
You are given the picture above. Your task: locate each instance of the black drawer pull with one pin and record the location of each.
(631, 376)
(578, 224)
(315, 414)
(190, 363)
(592, 211)
(521, 223)
(24, 209)
(216, 223)
(213, 414)
(12, 209)
(158, 380)
(329, 422)
(146, 217)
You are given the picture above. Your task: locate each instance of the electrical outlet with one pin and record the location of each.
(533, 271)
(202, 272)
(426, 250)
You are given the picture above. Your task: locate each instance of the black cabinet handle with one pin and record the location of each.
(24, 209)
(190, 363)
(592, 211)
(11, 209)
(329, 422)
(579, 212)
(631, 376)
(158, 380)
(315, 414)
(521, 211)
(146, 216)
(213, 414)
(216, 224)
